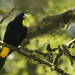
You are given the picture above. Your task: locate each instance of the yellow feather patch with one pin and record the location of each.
(5, 52)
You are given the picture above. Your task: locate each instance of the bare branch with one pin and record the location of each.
(58, 55)
(70, 43)
(29, 54)
(17, 6)
(7, 14)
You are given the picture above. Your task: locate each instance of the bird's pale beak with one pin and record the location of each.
(25, 16)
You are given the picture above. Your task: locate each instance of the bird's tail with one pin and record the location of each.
(2, 61)
(3, 55)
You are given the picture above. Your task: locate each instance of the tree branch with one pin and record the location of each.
(70, 43)
(7, 14)
(17, 6)
(25, 52)
(48, 24)
(52, 23)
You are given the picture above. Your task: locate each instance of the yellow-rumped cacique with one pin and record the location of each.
(14, 35)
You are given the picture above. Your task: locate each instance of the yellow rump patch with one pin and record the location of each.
(5, 52)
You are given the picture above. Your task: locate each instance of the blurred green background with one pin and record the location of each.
(17, 64)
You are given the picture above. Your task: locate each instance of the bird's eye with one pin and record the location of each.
(20, 14)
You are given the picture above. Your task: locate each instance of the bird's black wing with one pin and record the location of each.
(7, 33)
(13, 34)
(24, 34)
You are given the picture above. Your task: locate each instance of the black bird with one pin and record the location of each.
(14, 35)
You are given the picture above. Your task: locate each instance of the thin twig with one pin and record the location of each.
(17, 6)
(70, 43)
(7, 14)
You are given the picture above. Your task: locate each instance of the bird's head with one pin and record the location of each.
(21, 16)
